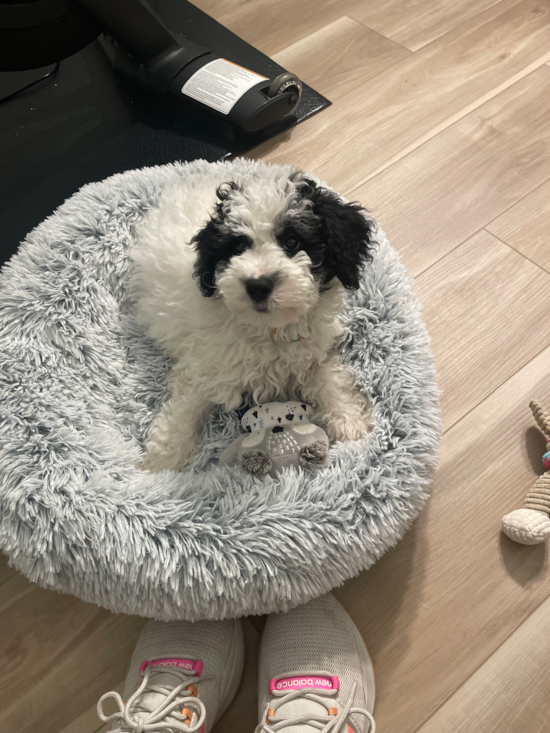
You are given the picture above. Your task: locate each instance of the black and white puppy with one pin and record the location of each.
(239, 274)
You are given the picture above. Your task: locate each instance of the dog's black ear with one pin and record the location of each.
(346, 231)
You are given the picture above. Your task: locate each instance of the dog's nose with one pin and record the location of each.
(260, 288)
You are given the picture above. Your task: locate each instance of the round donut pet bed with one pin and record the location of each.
(80, 385)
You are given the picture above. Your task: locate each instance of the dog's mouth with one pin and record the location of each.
(261, 307)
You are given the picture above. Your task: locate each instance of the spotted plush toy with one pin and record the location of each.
(279, 434)
(531, 525)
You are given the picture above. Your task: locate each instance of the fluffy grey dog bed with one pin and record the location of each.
(79, 385)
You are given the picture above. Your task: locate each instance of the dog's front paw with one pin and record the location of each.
(347, 427)
(156, 460)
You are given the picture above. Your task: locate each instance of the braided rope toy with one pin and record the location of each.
(531, 525)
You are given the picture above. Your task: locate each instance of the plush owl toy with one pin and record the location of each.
(279, 434)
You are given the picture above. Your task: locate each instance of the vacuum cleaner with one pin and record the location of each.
(35, 33)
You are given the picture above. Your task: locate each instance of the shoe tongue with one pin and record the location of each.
(166, 679)
(301, 705)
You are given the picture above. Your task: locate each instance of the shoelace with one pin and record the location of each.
(335, 723)
(164, 717)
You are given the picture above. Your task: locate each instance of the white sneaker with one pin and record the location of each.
(315, 672)
(182, 677)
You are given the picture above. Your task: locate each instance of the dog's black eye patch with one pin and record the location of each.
(229, 247)
(302, 236)
(237, 245)
(215, 248)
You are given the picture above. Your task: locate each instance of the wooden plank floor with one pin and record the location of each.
(441, 127)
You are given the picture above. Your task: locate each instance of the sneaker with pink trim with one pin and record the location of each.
(315, 672)
(182, 677)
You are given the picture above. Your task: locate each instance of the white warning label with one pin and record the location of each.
(220, 84)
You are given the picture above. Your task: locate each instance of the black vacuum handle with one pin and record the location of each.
(165, 64)
(134, 25)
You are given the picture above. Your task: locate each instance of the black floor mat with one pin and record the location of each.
(85, 122)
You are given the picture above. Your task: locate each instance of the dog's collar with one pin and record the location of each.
(292, 333)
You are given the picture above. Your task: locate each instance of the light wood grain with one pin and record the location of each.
(15, 588)
(5, 571)
(435, 608)
(414, 23)
(273, 26)
(480, 300)
(339, 57)
(387, 117)
(89, 721)
(443, 192)
(509, 693)
(58, 655)
(526, 226)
